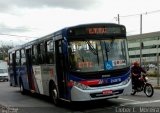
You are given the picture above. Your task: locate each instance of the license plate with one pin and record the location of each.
(106, 92)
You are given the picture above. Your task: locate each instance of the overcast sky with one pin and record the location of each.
(35, 18)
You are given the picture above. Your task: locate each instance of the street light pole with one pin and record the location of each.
(140, 23)
(118, 19)
(140, 40)
(158, 63)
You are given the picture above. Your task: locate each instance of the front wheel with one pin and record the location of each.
(54, 95)
(148, 90)
(133, 92)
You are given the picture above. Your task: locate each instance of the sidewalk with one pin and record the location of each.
(153, 81)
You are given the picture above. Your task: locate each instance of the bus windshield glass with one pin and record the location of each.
(98, 55)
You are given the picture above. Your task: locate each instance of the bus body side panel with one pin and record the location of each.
(18, 68)
(13, 71)
(29, 81)
(43, 74)
(24, 77)
(11, 75)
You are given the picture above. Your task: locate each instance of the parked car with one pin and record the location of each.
(4, 75)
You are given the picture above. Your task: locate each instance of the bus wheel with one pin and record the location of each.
(54, 95)
(133, 92)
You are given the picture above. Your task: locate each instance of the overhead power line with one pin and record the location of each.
(130, 15)
(16, 35)
(151, 12)
(145, 13)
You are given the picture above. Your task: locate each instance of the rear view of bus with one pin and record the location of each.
(99, 62)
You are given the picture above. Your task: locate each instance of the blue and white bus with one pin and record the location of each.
(79, 63)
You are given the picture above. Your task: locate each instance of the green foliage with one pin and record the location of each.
(152, 73)
(4, 51)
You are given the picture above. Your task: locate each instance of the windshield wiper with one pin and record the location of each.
(107, 48)
(93, 50)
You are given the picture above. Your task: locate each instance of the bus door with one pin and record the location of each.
(61, 68)
(29, 69)
(13, 67)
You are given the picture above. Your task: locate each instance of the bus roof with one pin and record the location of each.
(64, 31)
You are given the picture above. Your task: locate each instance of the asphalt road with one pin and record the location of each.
(12, 100)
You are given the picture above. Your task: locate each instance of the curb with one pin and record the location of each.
(156, 87)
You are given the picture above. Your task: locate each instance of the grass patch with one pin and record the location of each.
(152, 73)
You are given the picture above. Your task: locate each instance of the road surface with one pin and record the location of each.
(11, 99)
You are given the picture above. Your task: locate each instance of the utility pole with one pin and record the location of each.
(158, 62)
(118, 19)
(141, 40)
(141, 24)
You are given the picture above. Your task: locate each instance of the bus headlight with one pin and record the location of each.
(126, 81)
(81, 86)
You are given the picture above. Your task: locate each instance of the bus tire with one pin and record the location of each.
(53, 92)
(133, 92)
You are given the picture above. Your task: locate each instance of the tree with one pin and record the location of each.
(4, 51)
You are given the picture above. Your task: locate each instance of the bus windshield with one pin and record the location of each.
(98, 55)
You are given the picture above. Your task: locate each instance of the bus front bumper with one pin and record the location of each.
(78, 94)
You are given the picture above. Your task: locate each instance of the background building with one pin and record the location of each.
(150, 43)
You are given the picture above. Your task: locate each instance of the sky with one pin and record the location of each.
(25, 20)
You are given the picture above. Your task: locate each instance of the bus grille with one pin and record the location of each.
(101, 85)
(115, 92)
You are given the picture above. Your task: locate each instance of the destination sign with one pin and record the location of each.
(111, 30)
(104, 30)
(97, 30)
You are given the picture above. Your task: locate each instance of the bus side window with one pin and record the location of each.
(23, 57)
(18, 58)
(10, 59)
(41, 52)
(34, 55)
(49, 52)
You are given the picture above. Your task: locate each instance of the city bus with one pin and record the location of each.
(78, 63)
